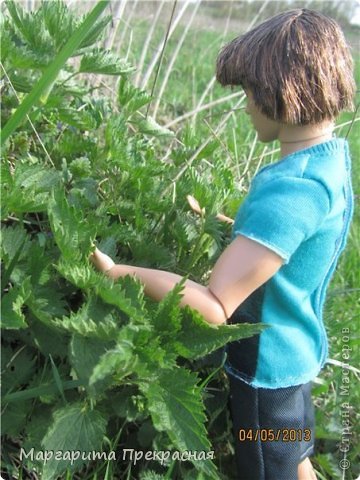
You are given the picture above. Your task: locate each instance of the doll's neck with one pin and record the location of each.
(293, 138)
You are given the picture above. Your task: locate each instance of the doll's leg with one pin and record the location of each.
(306, 471)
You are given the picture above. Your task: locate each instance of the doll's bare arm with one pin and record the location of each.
(243, 267)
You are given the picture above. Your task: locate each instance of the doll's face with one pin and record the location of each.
(267, 129)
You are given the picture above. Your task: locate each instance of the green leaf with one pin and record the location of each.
(82, 120)
(36, 177)
(46, 303)
(327, 462)
(13, 417)
(31, 28)
(131, 97)
(72, 234)
(49, 340)
(120, 359)
(12, 238)
(94, 319)
(149, 126)
(112, 293)
(50, 74)
(17, 368)
(95, 32)
(198, 338)
(14, 261)
(18, 201)
(134, 291)
(104, 62)
(37, 426)
(84, 356)
(59, 21)
(167, 318)
(75, 428)
(28, 189)
(127, 403)
(174, 401)
(12, 303)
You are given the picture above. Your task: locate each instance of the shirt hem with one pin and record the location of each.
(276, 383)
(270, 246)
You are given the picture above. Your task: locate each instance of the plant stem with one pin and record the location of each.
(161, 55)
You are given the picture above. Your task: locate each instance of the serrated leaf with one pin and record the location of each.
(72, 234)
(149, 126)
(18, 370)
(24, 58)
(327, 462)
(93, 319)
(174, 402)
(104, 62)
(134, 291)
(28, 190)
(49, 76)
(11, 310)
(82, 120)
(12, 238)
(120, 359)
(50, 341)
(7, 44)
(128, 403)
(136, 351)
(36, 177)
(198, 338)
(47, 302)
(75, 428)
(109, 291)
(18, 201)
(167, 318)
(13, 417)
(38, 262)
(37, 426)
(131, 97)
(30, 26)
(85, 354)
(59, 21)
(95, 32)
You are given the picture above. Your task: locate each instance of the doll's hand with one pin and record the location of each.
(194, 204)
(102, 261)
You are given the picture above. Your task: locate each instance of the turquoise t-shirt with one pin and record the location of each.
(300, 208)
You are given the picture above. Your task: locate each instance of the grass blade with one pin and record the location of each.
(39, 391)
(57, 378)
(50, 74)
(160, 47)
(173, 59)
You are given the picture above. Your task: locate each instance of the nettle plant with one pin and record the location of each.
(89, 364)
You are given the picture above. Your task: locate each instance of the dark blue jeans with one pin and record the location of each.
(273, 428)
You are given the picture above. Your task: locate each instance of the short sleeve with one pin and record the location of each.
(282, 213)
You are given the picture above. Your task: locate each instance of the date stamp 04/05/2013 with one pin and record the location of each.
(274, 435)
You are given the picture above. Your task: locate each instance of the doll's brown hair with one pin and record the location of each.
(297, 65)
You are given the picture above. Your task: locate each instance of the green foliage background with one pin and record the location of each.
(88, 364)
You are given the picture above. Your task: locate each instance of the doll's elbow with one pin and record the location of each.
(217, 315)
